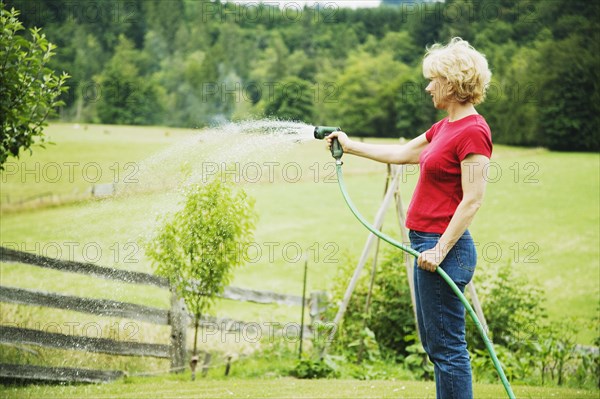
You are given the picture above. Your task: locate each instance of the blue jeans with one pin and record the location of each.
(441, 315)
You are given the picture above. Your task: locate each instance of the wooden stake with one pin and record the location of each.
(408, 259)
(373, 273)
(364, 256)
(477, 306)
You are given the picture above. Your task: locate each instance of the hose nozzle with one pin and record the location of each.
(323, 131)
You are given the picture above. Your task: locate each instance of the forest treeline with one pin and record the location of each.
(193, 63)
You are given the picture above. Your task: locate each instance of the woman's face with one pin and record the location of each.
(440, 92)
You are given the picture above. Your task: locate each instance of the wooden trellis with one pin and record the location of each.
(395, 172)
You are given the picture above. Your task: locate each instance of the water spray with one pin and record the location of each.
(320, 133)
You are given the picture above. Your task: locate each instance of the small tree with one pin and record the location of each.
(197, 247)
(29, 91)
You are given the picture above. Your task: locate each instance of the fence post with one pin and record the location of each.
(318, 304)
(206, 364)
(178, 321)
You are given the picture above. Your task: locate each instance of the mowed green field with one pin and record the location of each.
(178, 387)
(541, 214)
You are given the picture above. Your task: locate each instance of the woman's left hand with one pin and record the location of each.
(430, 260)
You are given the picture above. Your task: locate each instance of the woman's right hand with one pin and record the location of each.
(343, 139)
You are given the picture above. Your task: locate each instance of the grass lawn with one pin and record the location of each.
(541, 213)
(180, 387)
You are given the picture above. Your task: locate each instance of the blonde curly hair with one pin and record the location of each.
(465, 69)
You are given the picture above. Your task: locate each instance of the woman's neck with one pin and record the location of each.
(458, 111)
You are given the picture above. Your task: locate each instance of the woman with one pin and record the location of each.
(453, 156)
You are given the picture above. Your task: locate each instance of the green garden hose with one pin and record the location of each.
(439, 270)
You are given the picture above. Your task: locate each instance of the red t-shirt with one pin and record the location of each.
(439, 190)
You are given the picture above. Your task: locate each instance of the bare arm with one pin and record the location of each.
(386, 153)
(473, 186)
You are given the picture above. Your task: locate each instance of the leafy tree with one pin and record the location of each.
(183, 79)
(511, 106)
(88, 61)
(273, 65)
(458, 19)
(415, 112)
(292, 99)
(402, 46)
(29, 90)
(164, 17)
(126, 97)
(400, 2)
(302, 65)
(569, 100)
(189, 62)
(367, 93)
(424, 27)
(197, 247)
(238, 48)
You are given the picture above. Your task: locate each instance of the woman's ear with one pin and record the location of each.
(448, 88)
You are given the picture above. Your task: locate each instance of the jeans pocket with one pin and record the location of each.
(466, 254)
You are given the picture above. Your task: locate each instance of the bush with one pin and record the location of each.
(417, 362)
(529, 348)
(308, 368)
(392, 318)
(513, 308)
(30, 91)
(384, 329)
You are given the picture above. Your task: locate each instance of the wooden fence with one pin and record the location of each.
(176, 317)
(100, 190)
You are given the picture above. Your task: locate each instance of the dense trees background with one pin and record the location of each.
(196, 62)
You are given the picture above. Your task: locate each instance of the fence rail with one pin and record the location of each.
(11, 255)
(176, 317)
(264, 297)
(234, 293)
(100, 345)
(61, 374)
(49, 198)
(101, 307)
